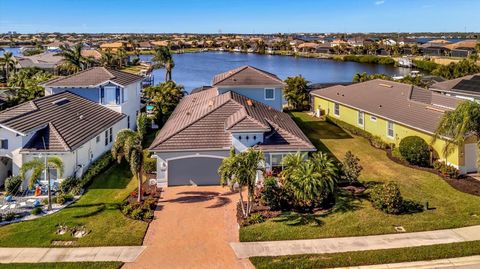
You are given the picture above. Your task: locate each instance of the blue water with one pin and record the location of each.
(193, 70)
(14, 51)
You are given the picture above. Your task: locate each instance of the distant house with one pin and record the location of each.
(405, 41)
(393, 111)
(64, 125)
(241, 110)
(462, 48)
(55, 46)
(308, 47)
(467, 87)
(435, 48)
(145, 45)
(113, 47)
(48, 61)
(116, 90)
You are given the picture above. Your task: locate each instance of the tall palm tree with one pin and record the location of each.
(128, 145)
(121, 55)
(8, 63)
(242, 169)
(108, 59)
(459, 124)
(163, 59)
(37, 166)
(73, 60)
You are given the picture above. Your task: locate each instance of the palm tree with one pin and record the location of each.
(37, 166)
(290, 162)
(73, 60)
(128, 145)
(459, 124)
(108, 59)
(8, 63)
(165, 98)
(242, 169)
(163, 59)
(121, 55)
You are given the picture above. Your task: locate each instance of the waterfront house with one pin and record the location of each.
(435, 48)
(467, 87)
(392, 111)
(116, 90)
(242, 109)
(48, 61)
(64, 125)
(462, 48)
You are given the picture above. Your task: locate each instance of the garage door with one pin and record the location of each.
(194, 171)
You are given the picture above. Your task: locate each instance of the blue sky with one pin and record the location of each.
(236, 16)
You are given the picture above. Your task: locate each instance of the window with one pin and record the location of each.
(276, 160)
(4, 144)
(373, 118)
(360, 118)
(109, 95)
(106, 137)
(98, 138)
(239, 137)
(269, 94)
(111, 135)
(336, 110)
(390, 132)
(128, 122)
(254, 137)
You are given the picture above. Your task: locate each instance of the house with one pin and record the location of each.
(467, 87)
(435, 48)
(65, 125)
(113, 47)
(55, 46)
(48, 61)
(116, 90)
(462, 48)
(237, 111)
(393, 111)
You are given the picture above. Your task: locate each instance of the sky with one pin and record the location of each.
(237, 16)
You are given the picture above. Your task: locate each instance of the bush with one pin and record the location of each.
(63, 198)
(446, 170)
(255, 218)
(37, 211)
(70, 185)
(97, 167)
(351, 167)
(428, 66)
(274, 195)
(12, 184)
(149, 164)
(148, 215)
(415, 150)
(137, 213)
(140, 211)
(387, 198)
(396, 154)
(9, 216)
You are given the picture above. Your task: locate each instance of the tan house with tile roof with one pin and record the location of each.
(206, 124)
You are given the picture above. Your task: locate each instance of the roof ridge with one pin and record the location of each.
(276, 126)
(59, 136)
(234, 71)
(69, 76)
(266, 73)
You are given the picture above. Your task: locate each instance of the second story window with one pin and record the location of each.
(4, 144)
(110, 95)
(269, 94)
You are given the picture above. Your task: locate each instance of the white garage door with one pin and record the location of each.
(194, 171)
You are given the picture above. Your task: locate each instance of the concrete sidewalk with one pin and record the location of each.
(85, 254)
(345, 244)
(470, 262)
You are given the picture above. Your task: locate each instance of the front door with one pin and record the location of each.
(471, 158)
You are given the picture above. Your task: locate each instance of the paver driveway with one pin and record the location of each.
(192, 229)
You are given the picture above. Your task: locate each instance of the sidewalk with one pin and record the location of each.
(345, 244)
(85, 254)
(470, 262)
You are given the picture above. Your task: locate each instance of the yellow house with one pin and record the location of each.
(393, 111)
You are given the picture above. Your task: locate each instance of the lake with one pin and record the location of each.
(193, 70)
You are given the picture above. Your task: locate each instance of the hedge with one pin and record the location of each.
(97, 167)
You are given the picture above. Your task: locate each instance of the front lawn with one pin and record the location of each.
(98, 210)
(63, 265)
(355, 217)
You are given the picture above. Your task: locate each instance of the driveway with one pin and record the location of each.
(193, 227)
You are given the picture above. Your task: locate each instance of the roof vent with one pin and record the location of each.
(249, 102)
(80, 117)
(188, 113)
(61, 102)
(385, 85)
(379, 106)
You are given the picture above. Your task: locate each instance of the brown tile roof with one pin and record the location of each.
(93, 77)
(205, 120)
(247, 75)
(65, 120)
(402, 103)
(449, 85)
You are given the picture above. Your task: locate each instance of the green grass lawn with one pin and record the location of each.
(355, 217)
(370, 257)
(63, 265)
(97, 209)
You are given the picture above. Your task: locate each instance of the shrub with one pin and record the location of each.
(63, 198)
(274, 195)
(12, 184)
(255, 218)
(37, 211)
(9, 216)
(149, 164)
(415, 150)
(148, 215)
(428, 66)
(69, 185)
(446, 170)
(387, 198)
(150, 203)
(97, 167)
(351, 167)
(137, 213)
(396, 154)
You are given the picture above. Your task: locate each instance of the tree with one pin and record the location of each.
(456, 70)
(128, 145)
(163, 59)
(351, 167)
(296, 92)
(121, 55)
(8, 63)
(25, 85)
(458, 124)
(73, 61)
(142, 125)
(108, 59)
(242, 169)
(37, 166)
(165, 97)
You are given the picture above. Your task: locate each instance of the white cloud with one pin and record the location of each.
(379, 2)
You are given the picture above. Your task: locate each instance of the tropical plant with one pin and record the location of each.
(73, 61)
(8, 64)
(242, 169)
(296, 92)
(37, 166)
(458, 124)
(163, 59)
(121, 55)
(351, 167)
(142, 125)
(164, 97)
(12, 184)
(108, 59)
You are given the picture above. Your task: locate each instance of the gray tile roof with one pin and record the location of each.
(454, 84)
(205, 120)
(402, 103)
(245, 76)
(94, 76)
(64, 120)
